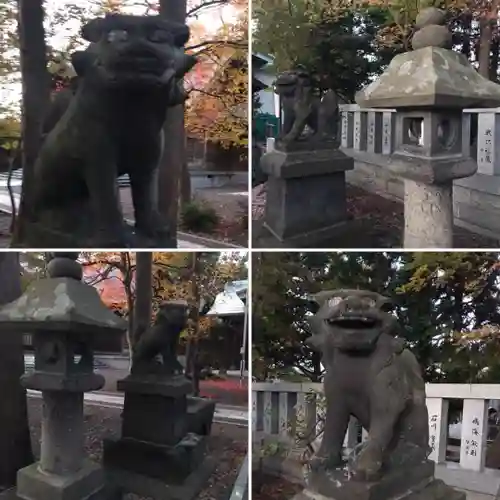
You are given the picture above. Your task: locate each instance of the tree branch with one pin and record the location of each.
(230, 43)
(204, 5)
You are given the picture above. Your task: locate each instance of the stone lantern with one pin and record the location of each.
(64, 315)
(429, 87)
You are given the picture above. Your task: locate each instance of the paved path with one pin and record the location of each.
(224, 414)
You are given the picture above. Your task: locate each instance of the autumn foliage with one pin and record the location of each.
(217, 108)
(175, 276)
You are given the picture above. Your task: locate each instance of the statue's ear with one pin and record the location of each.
(93, 30)
(321, 297)
(181, 35)
(315, 326)
(385, 303)
(81, 60)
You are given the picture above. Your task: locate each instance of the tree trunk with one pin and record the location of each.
(15, 444)
(486, 24)
(174, 138)
(495, 54)
(143, 293)
(466, 36)
(185, 185)
(484, 48)
(36, 97)
(127, 277)
(192, 367)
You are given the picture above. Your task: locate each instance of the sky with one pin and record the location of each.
(212, 18)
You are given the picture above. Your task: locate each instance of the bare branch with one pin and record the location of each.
(204, 5)
(218, 43)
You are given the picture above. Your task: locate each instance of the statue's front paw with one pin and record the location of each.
(325, 462)
(114, 239)
(156, 230)
(368, 465)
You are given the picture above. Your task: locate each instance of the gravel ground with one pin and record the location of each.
(5, 221)
(232, 210)
(376, 222)
(227, 444)
(267, 487)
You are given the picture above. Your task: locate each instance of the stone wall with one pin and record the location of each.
(476, 199)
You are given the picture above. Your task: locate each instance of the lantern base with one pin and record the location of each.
(86, 484)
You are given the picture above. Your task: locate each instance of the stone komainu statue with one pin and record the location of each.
(302, 107)
(161, 340)
(110, 124)
(371, 376)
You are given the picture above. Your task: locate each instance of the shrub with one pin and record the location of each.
(198, 217)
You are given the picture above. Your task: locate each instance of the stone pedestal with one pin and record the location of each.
(428, 215)
(414, 482)
(51, 231)
(306, 192)
(162, 447)
(429, 87)
(63, 314)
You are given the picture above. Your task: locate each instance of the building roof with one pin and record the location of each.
(230, 302)
(260, 60)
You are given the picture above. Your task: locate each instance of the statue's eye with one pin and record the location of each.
(159, 36)
(334, 301)
(370, 302)
(117, 36)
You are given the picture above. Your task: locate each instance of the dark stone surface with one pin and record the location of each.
(110, 126)
(302, 106)
(161, 339)
(156, 419)
(163, 431)
(150, 487)
(427, 490)
(87, 483)
(364, 359)
(200, 413)
(306, 194)
(372, 376)
(172, 464)
(336, 484)
(258, 175)
(153, 384)
(58, 382)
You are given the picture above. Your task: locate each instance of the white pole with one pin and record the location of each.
(243, 344)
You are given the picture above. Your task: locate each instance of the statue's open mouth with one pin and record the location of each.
(140, 65)
(352, 322)
(286, 86)
(143, 73)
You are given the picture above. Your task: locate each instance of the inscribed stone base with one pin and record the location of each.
(413, 482)
(86, 484)
(170, 464)
(310, 239)
(306, 194)
(200, 413)
(142, 485)
(155, 408)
